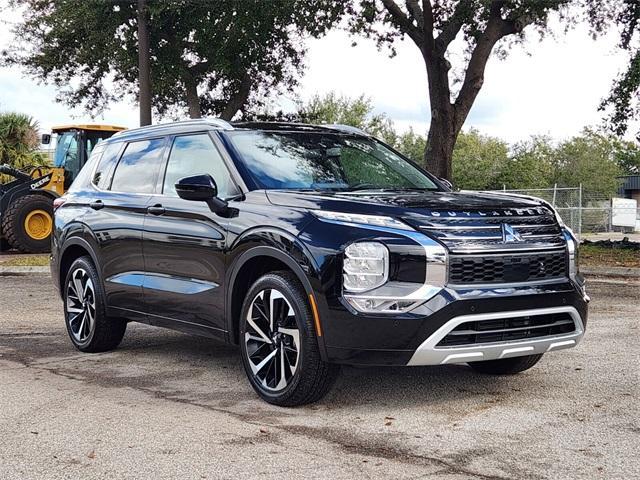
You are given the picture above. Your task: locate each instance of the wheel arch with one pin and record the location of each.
(247, 268)
(73, 249)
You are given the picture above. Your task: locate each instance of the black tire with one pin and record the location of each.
(506, 366)
(103, 333)
(13, 223)
(4, 244)
(311, 378)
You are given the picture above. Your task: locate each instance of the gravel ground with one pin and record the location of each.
(167, 405)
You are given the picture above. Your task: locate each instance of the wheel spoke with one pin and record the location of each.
(283, 376)
(257, 329)
(77, 283)
(81, 328)
(261, 365)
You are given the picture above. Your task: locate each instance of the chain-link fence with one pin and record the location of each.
(585, 212)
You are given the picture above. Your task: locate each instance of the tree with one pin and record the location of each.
(530, 164)
(589, 160)
(432, 25)
(357, 112)
(478, 161)
(19, 141)
(211, 58)
(622, 103)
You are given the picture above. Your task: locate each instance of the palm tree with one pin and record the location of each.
(19, 141)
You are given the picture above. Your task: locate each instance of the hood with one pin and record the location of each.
(402, 203)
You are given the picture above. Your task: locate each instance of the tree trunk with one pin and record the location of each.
(438, 152)
(238, 100)
(193, 101)
(144, 69)
(438, 155)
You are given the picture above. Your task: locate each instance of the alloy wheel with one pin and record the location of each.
(80, 305)
(272, 340)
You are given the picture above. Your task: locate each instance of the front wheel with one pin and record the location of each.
(506, 366)
(279, 345)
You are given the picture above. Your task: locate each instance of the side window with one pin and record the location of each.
(196, 155)
(137, 170)
(102, 174)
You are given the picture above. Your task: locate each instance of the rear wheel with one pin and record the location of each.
(28, 222)
(506, 366)
(279, 345)
(88, 326)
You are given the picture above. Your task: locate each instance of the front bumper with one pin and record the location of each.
(412, 339)
(428, 353)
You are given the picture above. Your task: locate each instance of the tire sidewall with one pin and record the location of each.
(276, 282)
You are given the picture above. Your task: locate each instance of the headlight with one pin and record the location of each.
(572, 248)
(366, 266)
(358, 219)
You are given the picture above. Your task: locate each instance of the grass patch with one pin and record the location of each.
(26, 261)
(597, 255)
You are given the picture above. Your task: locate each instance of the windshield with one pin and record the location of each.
(324, 161)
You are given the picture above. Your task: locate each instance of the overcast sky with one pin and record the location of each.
(551, 87)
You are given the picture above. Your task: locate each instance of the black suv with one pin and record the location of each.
(309, 246)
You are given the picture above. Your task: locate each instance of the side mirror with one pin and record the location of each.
(201, 188)
(45, 139)
(447, 183)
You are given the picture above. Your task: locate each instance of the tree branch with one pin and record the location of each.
(453, 25)
(403, 22)
(416, 12)
(474, 77)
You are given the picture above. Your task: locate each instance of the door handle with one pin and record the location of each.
(97, 205)
(156, 209)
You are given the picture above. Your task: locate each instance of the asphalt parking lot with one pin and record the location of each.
(167, 405)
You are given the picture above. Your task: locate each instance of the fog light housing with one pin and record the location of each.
(365, 267)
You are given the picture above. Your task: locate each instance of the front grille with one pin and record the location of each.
(498, 269)
(508, 329)
(482, 230)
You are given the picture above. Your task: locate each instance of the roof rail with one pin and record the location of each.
(214, 122)
(346, 129)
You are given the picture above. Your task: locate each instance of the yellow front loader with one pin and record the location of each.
(26, 203)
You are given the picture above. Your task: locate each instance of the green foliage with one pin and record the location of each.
(19, 141)
(226, 52)
(588, 159)
(530, 164)
(621, 16)
(478, 161)
(412, 145)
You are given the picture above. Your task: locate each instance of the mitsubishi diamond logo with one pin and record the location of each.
(510, 234)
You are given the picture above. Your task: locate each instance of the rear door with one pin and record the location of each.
(125, 181)
(184, 243)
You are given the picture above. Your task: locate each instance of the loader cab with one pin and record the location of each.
(74, 145)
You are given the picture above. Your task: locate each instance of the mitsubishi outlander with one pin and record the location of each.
(309, 246)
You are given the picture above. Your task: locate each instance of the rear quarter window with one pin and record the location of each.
(107, 162)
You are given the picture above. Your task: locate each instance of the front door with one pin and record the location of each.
(184, 244)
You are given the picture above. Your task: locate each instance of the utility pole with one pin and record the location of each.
(144, 69)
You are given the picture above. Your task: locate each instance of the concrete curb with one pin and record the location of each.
(630, 272)
(6, 271)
